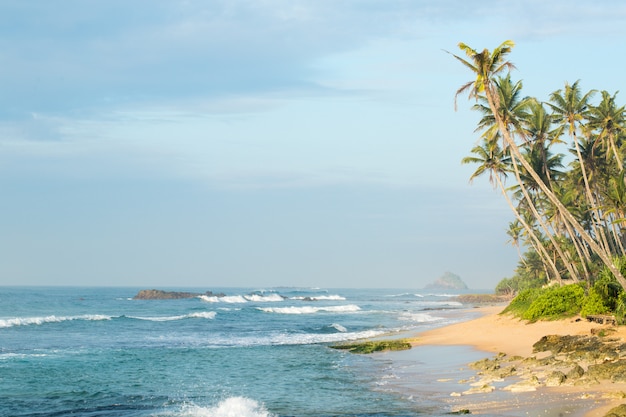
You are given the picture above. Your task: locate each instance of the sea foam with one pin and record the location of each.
(233, 299)
(320, 298)
(198, 315)
(350, 308)
(418, 317)
(264, 298)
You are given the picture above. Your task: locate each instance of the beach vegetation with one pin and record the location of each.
(564, 156)
(521, 303)
(555, 303)
(593, 304)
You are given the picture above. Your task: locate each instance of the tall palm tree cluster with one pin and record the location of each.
(570, 217)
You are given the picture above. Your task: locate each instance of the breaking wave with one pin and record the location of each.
(37, 321)
(199, 315)
(28, 321)
(350, 308)
(235, 299)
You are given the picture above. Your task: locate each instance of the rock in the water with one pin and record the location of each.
(170, 295)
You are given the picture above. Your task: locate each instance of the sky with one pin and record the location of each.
(261, 143)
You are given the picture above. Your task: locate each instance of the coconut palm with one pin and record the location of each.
(513, 111)
(486, 66)
(609, 120)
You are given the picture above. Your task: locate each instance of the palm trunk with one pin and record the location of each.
(598, 232)
(541, 250)
(581, 250)
(542, 223)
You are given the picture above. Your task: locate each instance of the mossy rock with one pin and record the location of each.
(619, 411)
(555, 379)
(370, 346)
(459, 412)
(612, 371)
(576, 372)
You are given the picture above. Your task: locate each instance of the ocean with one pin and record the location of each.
(255, 352)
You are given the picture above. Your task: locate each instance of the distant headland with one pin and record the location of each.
(448, 281)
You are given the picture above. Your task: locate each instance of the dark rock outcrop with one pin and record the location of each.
(171, 295)
(611, 371)
(588, 348)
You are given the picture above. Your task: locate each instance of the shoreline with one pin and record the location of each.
(507, 336)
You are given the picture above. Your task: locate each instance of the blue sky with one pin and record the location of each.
(265, 142)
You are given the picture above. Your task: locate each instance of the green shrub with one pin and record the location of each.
(522, 301)
(620, 308)
(607, 287)
(556, 302)
(594, 304)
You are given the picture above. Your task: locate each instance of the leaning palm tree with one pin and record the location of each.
(486, 65)
(514, 111)
(492, 160)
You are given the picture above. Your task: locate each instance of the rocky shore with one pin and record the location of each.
(559, 360)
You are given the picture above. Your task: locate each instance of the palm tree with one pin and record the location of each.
(608, 120)
(486, 66)
(514, 111)
(571, 107)
(538, 129)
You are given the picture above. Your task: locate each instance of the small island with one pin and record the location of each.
(448, 281)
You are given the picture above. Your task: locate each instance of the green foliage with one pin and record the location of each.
(518, 283)
(548, 303)
(522, 301)
(620, 308)
(556, 302)
(594, 304)
(607, 288)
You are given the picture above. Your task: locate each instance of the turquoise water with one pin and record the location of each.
(97, 352)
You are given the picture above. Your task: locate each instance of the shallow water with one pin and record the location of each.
(96, 352)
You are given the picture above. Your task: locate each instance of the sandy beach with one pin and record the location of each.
(494, 333)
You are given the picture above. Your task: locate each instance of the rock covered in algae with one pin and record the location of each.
(619, 411)
(370, 346)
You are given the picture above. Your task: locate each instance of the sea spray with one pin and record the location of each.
(230, 407)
